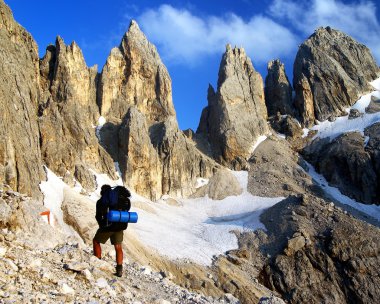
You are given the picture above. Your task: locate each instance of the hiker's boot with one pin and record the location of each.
(119, 270)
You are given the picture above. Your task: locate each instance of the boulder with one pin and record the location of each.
(354, 113)
(20, 154)
(295, 244)
(331, 71)
(374, 105)
(220, 186)
(79, 212)
(278, 90)
(286, 125)
(236, 114)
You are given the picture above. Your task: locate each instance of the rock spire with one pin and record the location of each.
(236, 114)
(278, 90)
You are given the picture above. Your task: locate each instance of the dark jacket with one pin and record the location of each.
(101, 217)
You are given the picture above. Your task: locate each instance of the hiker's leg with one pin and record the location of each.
(119, 254)
(97, 249)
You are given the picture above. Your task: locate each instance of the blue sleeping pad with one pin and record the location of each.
(117, 216)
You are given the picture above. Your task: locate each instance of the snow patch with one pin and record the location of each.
(200, 228)
(102, 179)
(376, 84)
(52, 190)
(305, 132)
(201, 182)
(366, 140)
(342, 124)
(101, 121)
(371, 210)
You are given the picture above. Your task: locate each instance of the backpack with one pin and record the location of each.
(116, 198)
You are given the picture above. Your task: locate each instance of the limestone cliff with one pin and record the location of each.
(331, 71)
(135, 97)
(68, 113)
(20, 156)
(236, 114)
(135, 75)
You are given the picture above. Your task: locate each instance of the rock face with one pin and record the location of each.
(135, 75)
(347, 164)
(135, 96)
(68, 113)
(278, 90)
(331, 71)
(20, 156)
(373, 148)
(236, 114)
(319, 253)
(275, 170)
(287, 125)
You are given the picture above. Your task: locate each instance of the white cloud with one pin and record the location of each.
(185, 38)
(357, 19)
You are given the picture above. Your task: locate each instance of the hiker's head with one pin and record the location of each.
(104, 189)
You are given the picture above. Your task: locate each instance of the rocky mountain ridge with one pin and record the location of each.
(133, 93)
(54, 109)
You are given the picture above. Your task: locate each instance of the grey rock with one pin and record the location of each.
(271, 300)
(374, 105)
(373, 148)
(138, 159)
(294, 245)
(135, 75)
(346, 164)
(354, 113)
(286, 125)
(236, 114)
(331, 71)
(221, 185)
(337, 267)
(278, 90)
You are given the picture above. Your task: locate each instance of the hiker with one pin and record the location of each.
(113, 231)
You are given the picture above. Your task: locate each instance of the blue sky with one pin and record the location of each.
(191, 36)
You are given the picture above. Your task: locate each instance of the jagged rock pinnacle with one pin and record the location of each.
(236, 113)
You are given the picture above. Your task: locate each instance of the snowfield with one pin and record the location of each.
(342, 124)
(198, 229)
(192, 229)
(370, 210)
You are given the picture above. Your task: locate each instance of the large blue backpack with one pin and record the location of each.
(116, 200)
